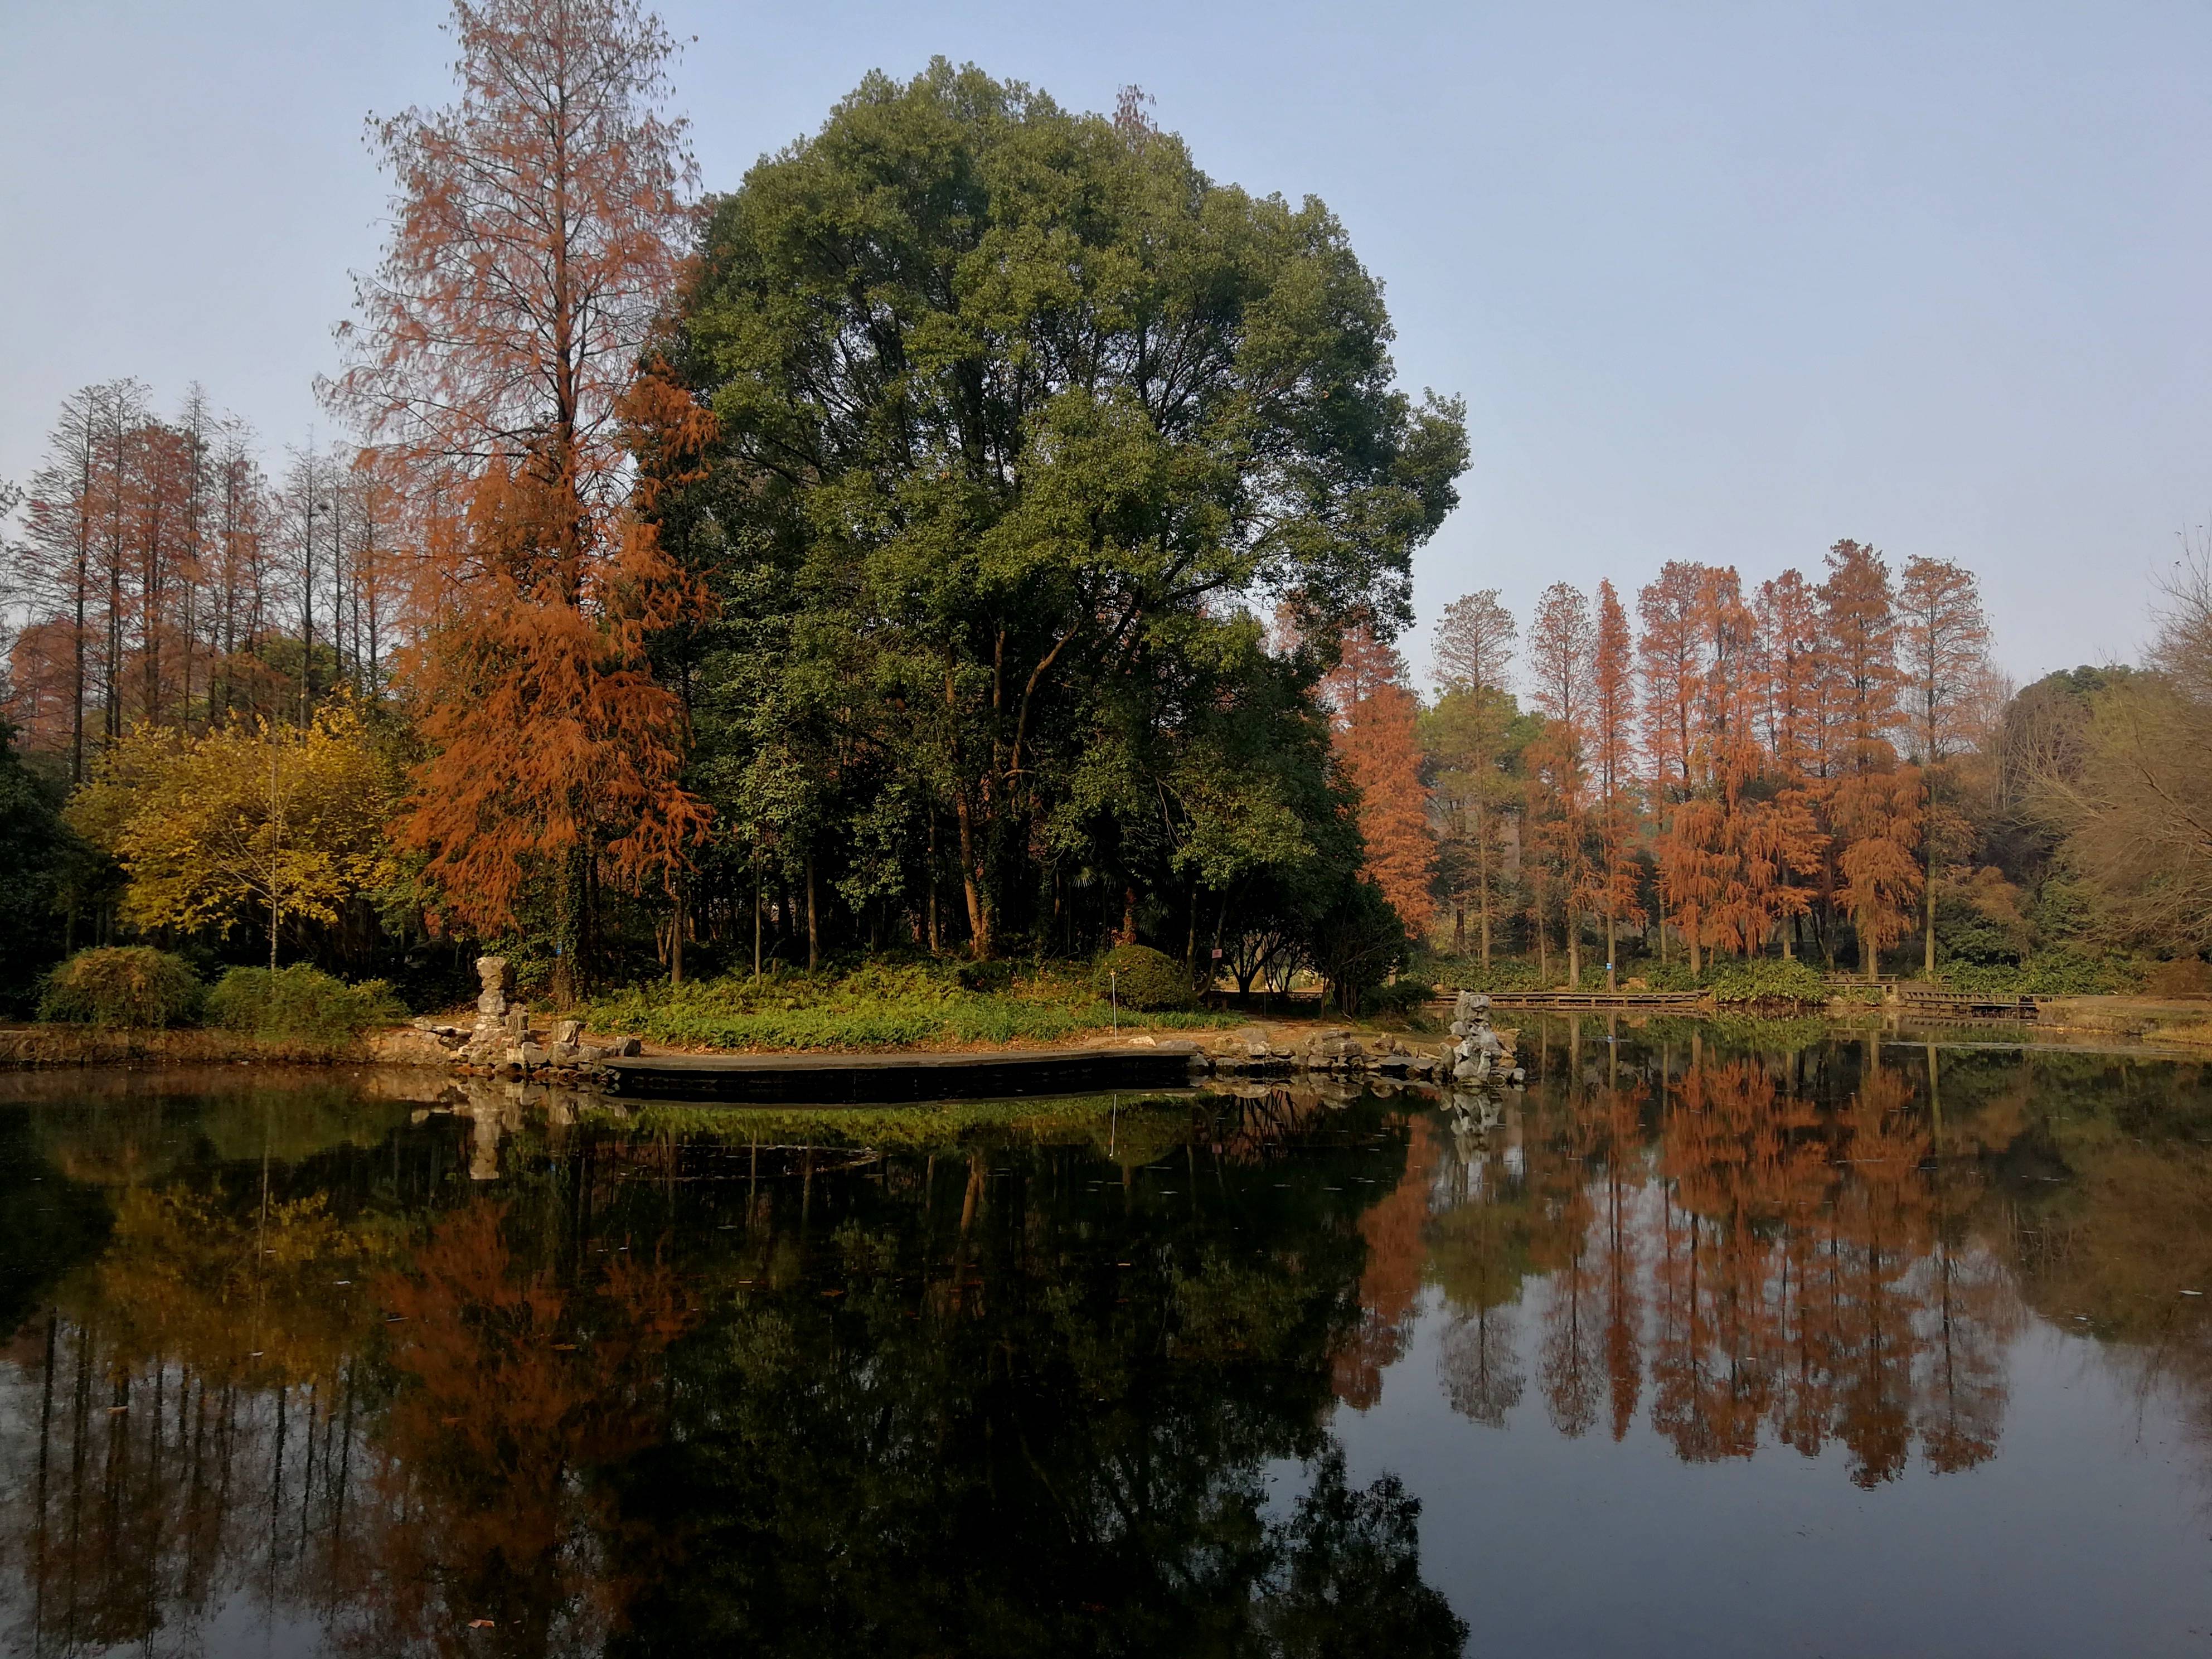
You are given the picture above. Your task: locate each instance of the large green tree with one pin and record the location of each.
(1023, 422)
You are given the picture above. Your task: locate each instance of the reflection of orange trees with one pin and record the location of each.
(1392, 1279)
(514, 1390)
(1790, 1267)
(1735, 1152)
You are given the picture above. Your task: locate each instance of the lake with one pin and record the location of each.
(1717, 1338)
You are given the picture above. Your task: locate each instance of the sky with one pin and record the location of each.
(1723, 282)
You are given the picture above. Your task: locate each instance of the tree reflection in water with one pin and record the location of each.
(1789, 1245)
(292, 1368)
(1014, 1388)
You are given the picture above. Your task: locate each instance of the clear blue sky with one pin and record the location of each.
(1723, 282)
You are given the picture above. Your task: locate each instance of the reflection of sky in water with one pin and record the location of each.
(2085, 1534)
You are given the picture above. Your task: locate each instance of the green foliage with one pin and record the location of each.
(36, 854)
(1467, 974)
(879, 1005)
(301, 1003)
(2062, 972)
(982, 587)
(132, 987)
(1765, 979)
(1140, 977)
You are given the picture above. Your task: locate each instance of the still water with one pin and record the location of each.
(1712, 1341)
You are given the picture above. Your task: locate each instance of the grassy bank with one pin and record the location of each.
(63, 1045)
(922, 1005)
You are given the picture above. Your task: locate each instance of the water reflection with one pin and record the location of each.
(360, 1365)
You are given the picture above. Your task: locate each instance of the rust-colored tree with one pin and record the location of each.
(1379, 746)
(1669, 653)
(1793, 679)
(538, 225)
(1876, 807)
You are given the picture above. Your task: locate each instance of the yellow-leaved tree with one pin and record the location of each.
(246, 822)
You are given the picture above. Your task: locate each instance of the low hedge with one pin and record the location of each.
(127, 987)
(301, 1003)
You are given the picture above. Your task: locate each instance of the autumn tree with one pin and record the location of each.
(539, 220)
(246, 824)
(1377, 745)
(1943, 651)
(2116, 773)
(1667, 656)
(1794, 682)
(1875, 807)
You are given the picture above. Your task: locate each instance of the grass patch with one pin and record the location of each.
(301, 1004)
(877, 1005)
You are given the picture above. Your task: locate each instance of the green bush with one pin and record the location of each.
(1467, 973)
(989, 977)
(1138, 976)
(1766, 979)
(2062, 972)
(128, 986)
(301, 1004)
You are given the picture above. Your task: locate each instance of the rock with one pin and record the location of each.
(495, 974)
(626, 1047)
(566, 1031)
(527, 1055)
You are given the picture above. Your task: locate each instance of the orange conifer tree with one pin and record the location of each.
(1875, 811)
(1380, 748)
(1793, 675)
(539, 220)
(1669, 651)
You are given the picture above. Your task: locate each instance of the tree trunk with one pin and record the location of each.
(1128, 934)
(1611, 953)
(813, 931)
(1574, 951)
(979, 915)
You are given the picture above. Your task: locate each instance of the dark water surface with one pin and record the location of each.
(1713, 1341)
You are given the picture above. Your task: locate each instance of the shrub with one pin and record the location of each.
(1139, 976)
(2061, 971)
(129, 986)
(1765, 979)
(989, 977)
(301, 1004)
